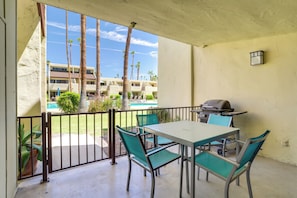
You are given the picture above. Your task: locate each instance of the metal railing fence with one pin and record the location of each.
(70, 140)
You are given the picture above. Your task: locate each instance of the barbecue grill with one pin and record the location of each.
(221, 107)
(213, 106)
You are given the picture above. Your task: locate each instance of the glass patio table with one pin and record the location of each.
(191, 134)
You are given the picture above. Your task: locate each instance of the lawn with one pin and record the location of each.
(90, 123)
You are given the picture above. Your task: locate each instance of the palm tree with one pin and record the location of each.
(70, 41)
(67, 54)
(153, 77)
(83, 67)
(138, 69)
(79, 71)
(97, 59)
(125, 77)
(132, 66)
(151, 74)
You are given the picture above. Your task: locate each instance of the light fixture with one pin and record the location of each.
(257, 57)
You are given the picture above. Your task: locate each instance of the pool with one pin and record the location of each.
(133, 105)
(52, 105)
(143, 104)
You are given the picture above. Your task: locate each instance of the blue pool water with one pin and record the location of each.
(136, 104)
(54, 105)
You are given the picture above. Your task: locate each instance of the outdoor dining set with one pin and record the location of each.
(195, 141)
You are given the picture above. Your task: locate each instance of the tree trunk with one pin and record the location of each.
(97, 59)
(125, 77)
(67, 55)
(83, 94)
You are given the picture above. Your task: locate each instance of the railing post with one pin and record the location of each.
(111, 143)
(44, 159)
(49, 142)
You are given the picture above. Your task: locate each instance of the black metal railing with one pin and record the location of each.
(71, 140)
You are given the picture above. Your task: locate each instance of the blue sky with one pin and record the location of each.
(112, 41)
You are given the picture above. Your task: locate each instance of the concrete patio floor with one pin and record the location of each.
(101, 179)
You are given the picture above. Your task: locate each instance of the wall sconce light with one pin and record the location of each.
(257, 57)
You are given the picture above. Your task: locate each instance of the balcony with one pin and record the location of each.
(269, 179)
(88, 176)
(61, 86)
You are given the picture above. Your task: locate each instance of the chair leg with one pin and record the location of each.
(129, 174)
(153, 184)
(206, 176)
(226, 193)
(248, 181)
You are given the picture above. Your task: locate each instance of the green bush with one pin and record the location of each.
(129, 95)
(115, 96)
(97, 106)
(69, 102)
(149, 97)
(94, 106)
(118, 103)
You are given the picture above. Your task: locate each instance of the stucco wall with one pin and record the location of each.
(268, 92)
(174, 71)
(30, 74)
(28, 19)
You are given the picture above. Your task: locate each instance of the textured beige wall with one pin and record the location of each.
(30, 76)
(28, 19)
(174, 71)
(268, 92)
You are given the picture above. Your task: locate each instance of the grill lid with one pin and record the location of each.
(216, 105)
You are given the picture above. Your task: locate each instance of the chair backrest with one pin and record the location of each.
(133, 144)
(251, 148)
(219, 120)
(147, 119)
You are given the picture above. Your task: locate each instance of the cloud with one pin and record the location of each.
(110, 35)
(154, 54)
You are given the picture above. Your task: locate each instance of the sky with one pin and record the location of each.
(112, 45)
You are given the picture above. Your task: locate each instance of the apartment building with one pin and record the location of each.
(58, 77)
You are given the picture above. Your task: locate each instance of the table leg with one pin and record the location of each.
(192, 172)
(237, 152)
(187, 170)
(181, 170)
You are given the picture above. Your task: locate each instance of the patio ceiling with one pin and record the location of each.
(197, 22)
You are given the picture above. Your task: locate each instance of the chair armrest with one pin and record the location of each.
(154, 151)
(222, 158)
(143, 133)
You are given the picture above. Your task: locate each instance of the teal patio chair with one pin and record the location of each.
(149, 119)
(229, 170)
(150, 160)
(221, 121)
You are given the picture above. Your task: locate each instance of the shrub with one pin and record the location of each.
(129, 95)
(115, 96)
(96, 106)
(149, 97)
(106, 105)
(69, 102)
(118, 103)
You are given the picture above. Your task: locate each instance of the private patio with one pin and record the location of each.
(101, 179)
